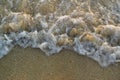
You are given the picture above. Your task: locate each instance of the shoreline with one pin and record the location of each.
(29, 64)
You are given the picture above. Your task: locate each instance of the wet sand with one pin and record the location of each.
(33, 64)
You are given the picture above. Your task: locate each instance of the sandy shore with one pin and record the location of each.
(33, 64)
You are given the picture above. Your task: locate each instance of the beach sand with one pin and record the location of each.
(33, 64)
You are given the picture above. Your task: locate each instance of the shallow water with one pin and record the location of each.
(90, 28)
(30, 64)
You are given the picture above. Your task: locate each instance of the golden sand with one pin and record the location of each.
(33, 64)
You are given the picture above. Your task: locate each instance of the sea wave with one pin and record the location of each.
(89, 27)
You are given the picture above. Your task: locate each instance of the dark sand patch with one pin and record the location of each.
(33, 64)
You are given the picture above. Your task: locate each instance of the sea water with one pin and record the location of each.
(88, 27)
